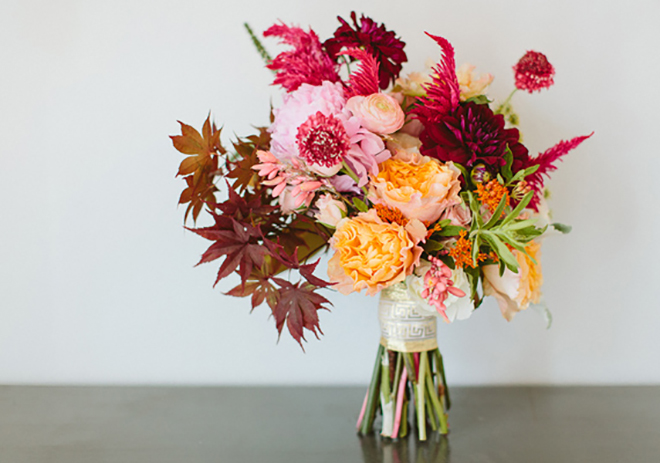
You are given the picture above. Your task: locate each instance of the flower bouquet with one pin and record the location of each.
(419, 185)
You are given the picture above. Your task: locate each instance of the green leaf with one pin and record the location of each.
(451, 230)
(520, 224)
(497, 214)
(360, 205)
(474, 206)
(463, 170)
(531, 170)
(560, 227)
(506, 170)
(432, 246)
(350, 172)
(502, 251)
(479, 99)
(521, 174)
(518, 209)
(475, 250)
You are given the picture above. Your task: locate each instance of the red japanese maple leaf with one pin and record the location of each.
(238, 241)
(200, 167)
(298, 306)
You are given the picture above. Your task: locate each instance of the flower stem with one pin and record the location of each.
(374, 392)
(508, 99)
(441, 369)
(437, 406)
(419, 395)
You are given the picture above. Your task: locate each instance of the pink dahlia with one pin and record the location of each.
(533, 72)
(375, 40)
(307, 63)
(472, 133)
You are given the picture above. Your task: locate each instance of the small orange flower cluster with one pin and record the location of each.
(390, 214)
(491, 194)
(462, 252)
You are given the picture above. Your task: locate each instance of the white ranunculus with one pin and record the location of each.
(458, 308)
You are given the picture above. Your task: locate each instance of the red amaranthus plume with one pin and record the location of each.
(364, 81)
(382, 44)
(534, 72)
(443, 92)
(547, 163)
(307, 63)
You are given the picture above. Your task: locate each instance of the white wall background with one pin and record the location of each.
(97, 283)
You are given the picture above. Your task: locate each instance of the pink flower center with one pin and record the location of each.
(322, 140)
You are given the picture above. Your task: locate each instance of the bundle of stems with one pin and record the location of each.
(398, 379)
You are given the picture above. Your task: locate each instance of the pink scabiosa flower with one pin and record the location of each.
(322, 140)
(375, 40)
(298, 106)
(297, 124)
(307, 63)
(533, 72)
(438, 285)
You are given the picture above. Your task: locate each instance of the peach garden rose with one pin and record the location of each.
(373, 254)
(515, 291)
(419, 186)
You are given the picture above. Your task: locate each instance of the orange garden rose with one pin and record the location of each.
(419, 186)
(373, 254)
(515, 291)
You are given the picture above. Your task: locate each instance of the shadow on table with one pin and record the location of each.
(409, 450)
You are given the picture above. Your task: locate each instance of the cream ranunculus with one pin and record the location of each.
(331, 211)
(515, 291)
(378, 113)
(419, 186)
(469, 85)
(373, 254)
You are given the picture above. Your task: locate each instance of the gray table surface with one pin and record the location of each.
(317, 424)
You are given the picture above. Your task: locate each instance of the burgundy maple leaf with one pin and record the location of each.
(238, 241)
(298, 306)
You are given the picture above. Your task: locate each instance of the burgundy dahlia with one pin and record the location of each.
(375, 40)
(473, 134)
(323, 140)
(534, 72)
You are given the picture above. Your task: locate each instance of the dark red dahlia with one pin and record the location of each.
(472, 134)
(322, 140)
(375, 40)
(534, 72)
